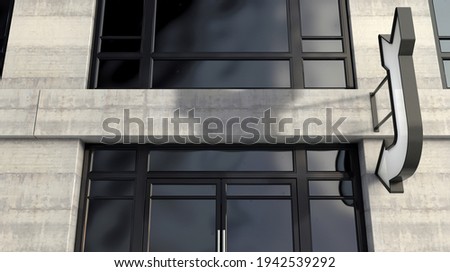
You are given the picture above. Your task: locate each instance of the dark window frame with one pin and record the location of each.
(442, 56)
(301, 228)
(4, 36)
(147, 56)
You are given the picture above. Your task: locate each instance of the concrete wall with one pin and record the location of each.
(49, 44)
(46, 115)
(39, 185)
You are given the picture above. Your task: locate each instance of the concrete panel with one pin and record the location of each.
(53, 7)
(419, 219)
(18, 112)
(40, 183)
(49, 44)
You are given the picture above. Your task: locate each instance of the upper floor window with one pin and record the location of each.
(222, 44)
(6, 8)
(440, 10)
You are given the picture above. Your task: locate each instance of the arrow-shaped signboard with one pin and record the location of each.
(400, 159)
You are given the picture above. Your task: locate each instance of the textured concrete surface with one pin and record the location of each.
(39, 181)
(49, 44)
(419, 219)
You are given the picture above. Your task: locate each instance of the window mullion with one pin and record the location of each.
(295, 44)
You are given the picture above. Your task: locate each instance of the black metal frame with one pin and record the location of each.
(443, 56)
(4, 36)
(295, 56)
(298, 179)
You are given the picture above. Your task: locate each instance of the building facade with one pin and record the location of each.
(234, 126)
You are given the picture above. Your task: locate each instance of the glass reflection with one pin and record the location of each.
(445, 45)
(111, 188)
(332, 160)
(109, 225)
(259, 225)
(215, 160)
(322, 46)
(222, 74)
(221, 26)
(320, 18)
(122, 18)
(183, 225)
(183, 190)
(441, 9)
(333, 226)
(330, 188)
(324, 73)
(260, 190)
(447, 71)
(118, 74)
(113, 160)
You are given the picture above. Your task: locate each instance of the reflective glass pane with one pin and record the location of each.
(445, 45)
(111, 188)
(221, 74)
(333, 226)
(330, 188)
(221, 26)
(322, 46)
(183, 225)
(442, 10)
(320, 17)
(121, 45)
(447, 71)
(218, 160)
(333, 160)
(113, 160)
(123, 18)
(258, 190)
(183, 190)
(109, 225)
(324, 73)
(259, 225)
(4, 15)
(118, 74)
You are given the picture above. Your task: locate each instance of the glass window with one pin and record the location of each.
(194, 200)
(324, 73)
(183, 190)
(113, 160)
(330, 188)
(221, 74)
(109, 225)
(447, 71)
(221, 44)
(182, 225)
(123, 18)
(322, 46)
(333, 226)
(259, 225)
(261, 190)
(120, 74)
(441, 22)
(6, 9)
(441, 9)
(445, 46)
(221, 26)
(217, 160)
(320, 17)
(332, 160)
(111, 188)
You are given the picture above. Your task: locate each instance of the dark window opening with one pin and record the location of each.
(181, 198)
(441, 23)
(222, 44)
(6, 10)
